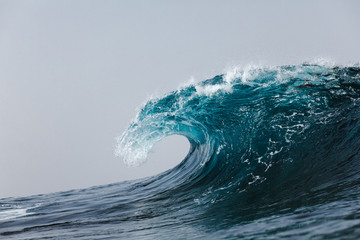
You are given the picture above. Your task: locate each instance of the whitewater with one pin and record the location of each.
(274, 154)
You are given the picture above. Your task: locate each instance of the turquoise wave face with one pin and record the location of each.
(275, 154)
(267, 136)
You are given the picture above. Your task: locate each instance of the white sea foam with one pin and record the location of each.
(245, 73)
(323, 61)
(13, 213)
(134, 151)
(210, 90)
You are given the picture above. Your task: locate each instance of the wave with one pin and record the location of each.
(256, 131)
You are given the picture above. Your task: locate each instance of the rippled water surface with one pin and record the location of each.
(275, 154)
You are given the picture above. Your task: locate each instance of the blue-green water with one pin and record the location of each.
(275, 154)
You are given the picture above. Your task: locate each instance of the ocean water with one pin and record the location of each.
(275, 154)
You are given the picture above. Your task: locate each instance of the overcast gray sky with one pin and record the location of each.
(72, 73)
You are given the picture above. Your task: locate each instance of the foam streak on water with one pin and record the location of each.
(275, 154)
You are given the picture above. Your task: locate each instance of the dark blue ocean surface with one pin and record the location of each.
(275, 154)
